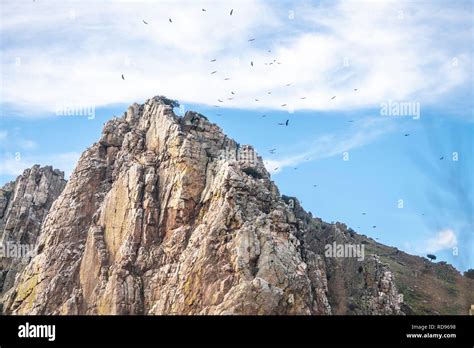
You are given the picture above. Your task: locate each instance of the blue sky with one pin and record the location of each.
(367, 54)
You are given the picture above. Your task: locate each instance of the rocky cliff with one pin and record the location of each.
(167, 215)
(24, 205)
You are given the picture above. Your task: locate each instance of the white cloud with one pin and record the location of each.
(76, 52)
(444, 239)
(330, 145)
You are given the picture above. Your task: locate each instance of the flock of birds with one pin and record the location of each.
(285, 123)
(220, 100)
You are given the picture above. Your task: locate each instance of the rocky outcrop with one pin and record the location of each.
(24, 205)
(167, 215)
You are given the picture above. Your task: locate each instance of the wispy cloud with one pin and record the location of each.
(329, 145)
(444, 239)
(66, 51)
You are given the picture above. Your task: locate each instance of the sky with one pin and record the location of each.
(378, 96)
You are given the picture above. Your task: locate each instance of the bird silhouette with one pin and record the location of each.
(232, 93)
(251, 39)
(374, 226)
(441, 158)
(256, 100)
(220, 101)
(170, 20)
(407, 134)
(333, 97)
(283, 104)
(213, 72)
(251, 63)
(272, 151)
(315, 185)
(269, 92)
(227, 78)
(231, 11)
(213, 60)
(355, 89)
(203, 10)
(145, 22)
(123, 78)
(303, 98)
(264, 115)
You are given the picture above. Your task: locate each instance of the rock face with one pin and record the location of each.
(24, 205)
(167, 215)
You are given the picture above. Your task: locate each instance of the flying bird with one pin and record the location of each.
(364, 213)
(333, 97)
(213, 60)
(441, 158)
(170, 20)
(350, 121)
(269, 92)
(283, 104)
(407, 134)
(227, 78)
(374, 226)
(145, 22)
(288, 84)
(303, 98)
(232, 93)
(213, 72)
(256, 100)
(264, 115)
(251, 39)
(355, 89)
(251, 63)
(203, 10)
(286, 123)
(231, 11)
(276, 168)
(220, 101)
(315, 185)
(272, 151)
(123, 78)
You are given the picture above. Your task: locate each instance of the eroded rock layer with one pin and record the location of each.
(24, 204)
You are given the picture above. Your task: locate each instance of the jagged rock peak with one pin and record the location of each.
(24, 204)
(167, 215)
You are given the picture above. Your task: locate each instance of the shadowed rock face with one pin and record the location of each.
(24, 204)
(166, 215)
